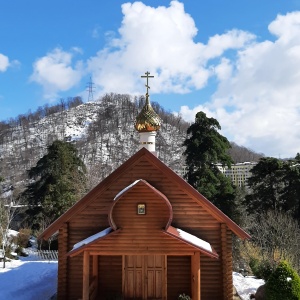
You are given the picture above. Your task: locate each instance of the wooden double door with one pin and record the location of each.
(144, 277)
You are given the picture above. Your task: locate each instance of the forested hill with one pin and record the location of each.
(102, 131)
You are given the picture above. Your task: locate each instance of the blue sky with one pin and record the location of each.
(237, 60)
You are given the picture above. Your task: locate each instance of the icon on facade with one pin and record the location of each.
(141, 209)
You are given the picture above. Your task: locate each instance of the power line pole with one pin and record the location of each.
(90, 88)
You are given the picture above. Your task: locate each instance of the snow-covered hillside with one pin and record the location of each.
(102, 131)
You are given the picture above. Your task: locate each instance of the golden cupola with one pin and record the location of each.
(147, 122)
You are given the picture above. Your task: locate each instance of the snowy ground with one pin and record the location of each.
(28, 279)
(246, 285)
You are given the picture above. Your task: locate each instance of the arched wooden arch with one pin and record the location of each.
(124, 209)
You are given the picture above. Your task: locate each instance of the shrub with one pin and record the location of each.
(284, 283)
(23, 237)
(262, 268)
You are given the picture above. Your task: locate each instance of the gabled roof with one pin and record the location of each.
(109, 180)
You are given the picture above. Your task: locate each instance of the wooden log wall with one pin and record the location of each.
(110, 276)
(227, 262)
(178, 276)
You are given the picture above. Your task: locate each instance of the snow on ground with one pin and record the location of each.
(29, 279)
(246, 285)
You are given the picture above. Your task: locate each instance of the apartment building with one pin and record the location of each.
(238, 173)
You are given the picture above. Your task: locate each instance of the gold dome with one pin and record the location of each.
(147, 120)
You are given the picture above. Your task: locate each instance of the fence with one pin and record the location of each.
(49, 255)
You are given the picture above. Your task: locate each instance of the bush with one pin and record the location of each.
(23, 237)
(284, 283)
(261, 268)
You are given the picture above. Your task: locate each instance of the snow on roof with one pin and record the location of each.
(92, 238)
(127, 188)
(194, 240)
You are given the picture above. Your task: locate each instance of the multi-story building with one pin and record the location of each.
(238, 173)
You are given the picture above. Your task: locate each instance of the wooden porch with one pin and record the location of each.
(144, 277)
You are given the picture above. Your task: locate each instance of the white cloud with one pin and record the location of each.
(160, 40)
(55, 72)
(4, 63)
(258, 105)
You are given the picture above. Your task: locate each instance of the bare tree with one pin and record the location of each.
(277, 236)
(7, 214)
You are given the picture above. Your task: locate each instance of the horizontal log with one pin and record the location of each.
(177, 253)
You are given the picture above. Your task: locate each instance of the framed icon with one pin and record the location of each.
(141, 209)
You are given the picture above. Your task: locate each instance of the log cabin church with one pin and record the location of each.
(144, 233)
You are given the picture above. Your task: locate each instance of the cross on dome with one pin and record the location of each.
(147, 83)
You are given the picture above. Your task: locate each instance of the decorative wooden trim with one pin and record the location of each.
(196, 276)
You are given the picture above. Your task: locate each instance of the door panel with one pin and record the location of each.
(150, 284)
(158, 283)
(139, 284)
(130, 284)
(144, 277)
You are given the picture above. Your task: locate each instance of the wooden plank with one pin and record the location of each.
(93, 288)
(196, 283)
(86, 276)
(165, 291)
(95, 273)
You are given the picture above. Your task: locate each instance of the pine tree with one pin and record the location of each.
(291, 191)
(266, 185)
(57, 182)
(205, 149)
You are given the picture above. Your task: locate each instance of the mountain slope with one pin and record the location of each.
(102, 131)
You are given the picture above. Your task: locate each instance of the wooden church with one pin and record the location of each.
(144, 233)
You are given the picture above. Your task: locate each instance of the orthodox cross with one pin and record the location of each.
(147, 76)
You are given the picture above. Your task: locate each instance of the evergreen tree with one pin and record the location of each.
(205, 149)
(58, 181)
(266, 185)
(291, 191)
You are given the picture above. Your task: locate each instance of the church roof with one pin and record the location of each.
(176, 233)
(143, 154)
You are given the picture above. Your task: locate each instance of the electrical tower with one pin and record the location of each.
(90, 88)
